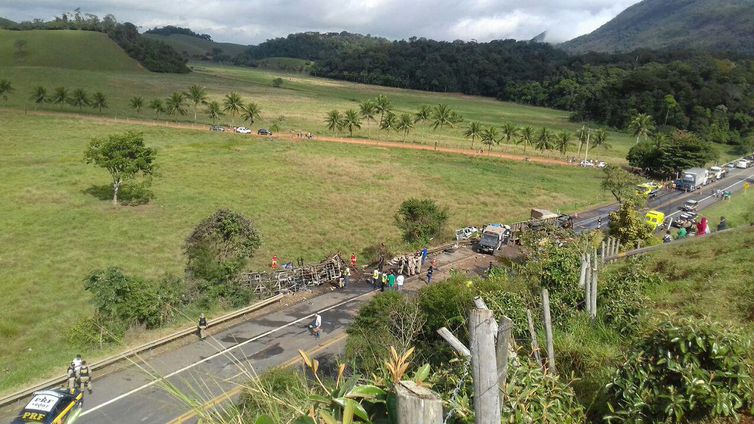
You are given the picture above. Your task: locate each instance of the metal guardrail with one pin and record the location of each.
(57, 381)
(649, 249)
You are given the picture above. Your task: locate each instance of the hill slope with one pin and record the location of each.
(4, 22)
(710, 25)
(197, 47)
(64, 49)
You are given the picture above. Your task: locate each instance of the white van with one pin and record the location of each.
(742, 164)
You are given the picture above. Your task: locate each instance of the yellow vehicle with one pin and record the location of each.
(654, 219)
(647, 190)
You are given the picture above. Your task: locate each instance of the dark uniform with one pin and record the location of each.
(85, 377)
(71, 377)
(202, 326)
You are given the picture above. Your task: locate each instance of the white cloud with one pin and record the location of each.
(253, 21)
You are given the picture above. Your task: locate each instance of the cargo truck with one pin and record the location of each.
(693, 179)
(493, 238)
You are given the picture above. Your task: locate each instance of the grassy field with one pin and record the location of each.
(307, 198)
(303, 100)
(197, 46)
(73, 50)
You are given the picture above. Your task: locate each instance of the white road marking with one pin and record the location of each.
(222, 352)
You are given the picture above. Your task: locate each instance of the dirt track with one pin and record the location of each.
(291, 137)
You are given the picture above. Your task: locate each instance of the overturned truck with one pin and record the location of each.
(540, 218)
(295, 279)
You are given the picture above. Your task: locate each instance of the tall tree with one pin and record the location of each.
(382, 105)
(544, 140)
(60, 96)
(124, 156)
(39, 96)
(157, 106)
(562, 142)
(213, 111)
(489, 137)
(389, 122)
(510, 132)
(622, 185)
(251, 112)
(232, 103)
(423, 114)
(473, 131)
(442, 115)
(99, 101)
(368, 111)
(351, 120)
(5, 88)
(671, 104)
(136, 103)
(176, 104)
(405, 124)
(582, 135)
(600, 139)
(527, 136)
(333, 120)
(79, 98)
(198, 96)
(642, 125)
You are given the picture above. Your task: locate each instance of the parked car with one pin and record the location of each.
(586, 164)
(730, 165)
(264, 131)
(743, 164)
(601, 164)
(466, 233)
(717, 173)
(216, 128)
(56, 406)
(690, 206)
(243, 130)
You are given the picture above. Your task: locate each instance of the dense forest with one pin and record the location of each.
(154, 55)
(170, 30)
(687, 90)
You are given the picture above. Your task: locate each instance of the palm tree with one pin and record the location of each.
(527, 136)
(544, 140)
(389, 122)
(5, 88)
(251, 112)
(232, 103)
(510, 132)
(79, 98)
(213, 111)
(198, 95)
(368, 110)
(39, 96)
(136, 103)
(157, 106)
(405, 124)
(562, 142)
(489, 137)
(99, 101)
(670, 104)
(474, 130)
(442, 115)
(60, 97)
(582, 134)
(642, 125)
(176, 103)
(333, 120)
(382, 105)
(351, 120)
(423, 114)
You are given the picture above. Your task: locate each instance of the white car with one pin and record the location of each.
(601, 164)
(743, 164)
(243, 130)
(466, 233)
(586, 164)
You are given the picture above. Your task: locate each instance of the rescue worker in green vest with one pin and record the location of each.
(346, 277)
(71, 377)
(375, 278)
(85, 377)
(383, 283)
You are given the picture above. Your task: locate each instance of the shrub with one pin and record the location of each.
(621, 296)
(95, 332)
(681, 371)
(277, 82)
(421, 220)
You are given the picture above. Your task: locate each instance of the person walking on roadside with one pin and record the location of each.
(667, 238)
(702, 227)
(682, 233)
(599, 223)
(353, 260)
(85, 377)
(375, 278)
(315, 327)
(424, 254)
(391, 280)
(723, 225)
(430, 271)
(202, 326)
(399, 281)
(346, 277)
(383, 282)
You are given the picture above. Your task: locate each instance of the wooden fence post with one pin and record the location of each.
(588, 284)
(484, 367)
(548, 331)
(593, 294)
(533, 335)
(602, 251)
(501, 352)
(417, 404)
(582, 273)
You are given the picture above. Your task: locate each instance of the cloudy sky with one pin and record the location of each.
(253, 21)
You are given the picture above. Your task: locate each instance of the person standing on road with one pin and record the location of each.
(202, 326)
(419, 262)
(430, 271)
(411, 266)
(316, 325)
(383, 282)
(391, 280)
(682, 233)
(667, 238)
(353, 260)
(346, 277)
(424, 254)
(399, 281)
(375, 278)
(71, 372)
(723, 225)
(599, 223)
(85, 377)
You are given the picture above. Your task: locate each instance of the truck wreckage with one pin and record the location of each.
(292, 280)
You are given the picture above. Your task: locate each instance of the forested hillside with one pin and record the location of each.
(707, 25)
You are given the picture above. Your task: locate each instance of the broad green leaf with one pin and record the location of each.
(264, 419)
(365, 391)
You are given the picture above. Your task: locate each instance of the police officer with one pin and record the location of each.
(71, 372)
(202, 326)
(85, 377)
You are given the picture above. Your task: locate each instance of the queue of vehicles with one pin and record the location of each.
(239, 130)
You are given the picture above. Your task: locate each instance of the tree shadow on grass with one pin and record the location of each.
(128, 195)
